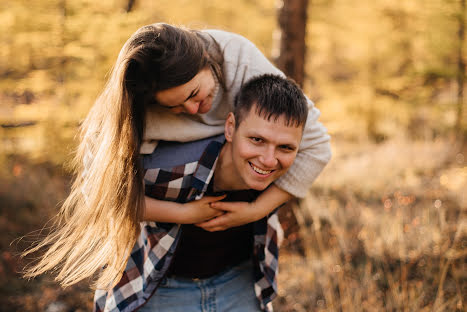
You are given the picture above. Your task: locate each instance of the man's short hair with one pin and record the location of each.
(273, 96)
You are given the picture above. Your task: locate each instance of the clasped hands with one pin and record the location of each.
(212, 214)
(216, 215)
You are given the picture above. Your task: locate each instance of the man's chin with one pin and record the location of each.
(258, 186)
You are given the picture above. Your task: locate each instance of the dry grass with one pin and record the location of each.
(384, 229)
(29, 197)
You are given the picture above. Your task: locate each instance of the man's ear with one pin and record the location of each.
(229, 127)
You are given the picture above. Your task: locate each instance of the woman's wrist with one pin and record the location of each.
(163, 211)
(257, 211)
(184, 214)
(270, 199)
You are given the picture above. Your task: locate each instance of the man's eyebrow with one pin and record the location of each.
(191, 94)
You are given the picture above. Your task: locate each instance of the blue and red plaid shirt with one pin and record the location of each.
(181, 172)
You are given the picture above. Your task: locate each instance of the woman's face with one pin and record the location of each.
(193, 97)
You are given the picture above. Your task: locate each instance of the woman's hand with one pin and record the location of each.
(200, 210)
(240, 213)
(233, 214)
(172, 212)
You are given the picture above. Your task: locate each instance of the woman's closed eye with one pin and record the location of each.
(193, 94)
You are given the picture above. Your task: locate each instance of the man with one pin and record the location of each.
(213, 269)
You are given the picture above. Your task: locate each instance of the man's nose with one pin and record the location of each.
(268, 158)
(191, 107)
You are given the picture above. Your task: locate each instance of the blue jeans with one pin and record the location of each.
(231, 290)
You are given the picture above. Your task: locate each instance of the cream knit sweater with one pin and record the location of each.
(242, 61)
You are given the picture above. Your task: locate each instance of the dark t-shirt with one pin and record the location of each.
(202, 254)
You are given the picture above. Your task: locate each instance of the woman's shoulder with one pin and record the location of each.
(226, 38)
(242, 59)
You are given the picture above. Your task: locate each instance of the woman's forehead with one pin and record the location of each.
(176, 95)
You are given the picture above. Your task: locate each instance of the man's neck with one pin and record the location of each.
(226, 178)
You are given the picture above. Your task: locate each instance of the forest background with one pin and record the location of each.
(383, 227)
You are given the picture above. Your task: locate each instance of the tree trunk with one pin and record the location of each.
(292, 23)
(292, 17)
(63, 65)
(129, 6)
(460, 72)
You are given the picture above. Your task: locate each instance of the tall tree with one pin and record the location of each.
(292, 22)
(129, 6)
(292, 17)
(461, 70)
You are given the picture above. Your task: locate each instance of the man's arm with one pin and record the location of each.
(240, 213)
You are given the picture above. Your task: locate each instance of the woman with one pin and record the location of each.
(168, 84)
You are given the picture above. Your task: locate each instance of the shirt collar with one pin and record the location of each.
(207, 164)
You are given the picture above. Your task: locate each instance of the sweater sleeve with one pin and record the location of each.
(242, 61)
(313, 155)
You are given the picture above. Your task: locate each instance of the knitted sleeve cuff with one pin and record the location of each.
(301, 175)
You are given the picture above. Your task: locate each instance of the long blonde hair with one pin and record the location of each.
(98, 224)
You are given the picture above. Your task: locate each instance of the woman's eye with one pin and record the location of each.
(176, 109)
(194, 94)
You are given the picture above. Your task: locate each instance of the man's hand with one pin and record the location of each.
(234, 214)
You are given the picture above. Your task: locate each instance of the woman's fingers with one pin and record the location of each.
(229, 206)
(213, 199)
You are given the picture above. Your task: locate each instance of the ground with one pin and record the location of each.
(383, 229)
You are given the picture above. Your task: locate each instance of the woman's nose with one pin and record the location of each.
(191, 107)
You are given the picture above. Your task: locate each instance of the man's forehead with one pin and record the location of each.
(272, 119)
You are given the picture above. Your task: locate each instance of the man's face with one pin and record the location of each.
(262, 150)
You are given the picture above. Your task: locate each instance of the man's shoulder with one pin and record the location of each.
(170, 154)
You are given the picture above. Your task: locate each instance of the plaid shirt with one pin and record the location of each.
(155, 247)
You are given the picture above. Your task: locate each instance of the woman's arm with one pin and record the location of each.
(172, 212)
(243, 61)
(313, 155)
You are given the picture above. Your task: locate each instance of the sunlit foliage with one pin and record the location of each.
(384, 226)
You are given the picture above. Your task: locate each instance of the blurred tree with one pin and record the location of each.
(392, 66)
(461, 70)
(292, 19)
(129, 6)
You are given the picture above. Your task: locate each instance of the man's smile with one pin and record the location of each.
(260, 171)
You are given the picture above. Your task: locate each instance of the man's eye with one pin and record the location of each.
(255, 139)
(287, 148)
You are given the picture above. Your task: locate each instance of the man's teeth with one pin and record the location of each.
(259, 170)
